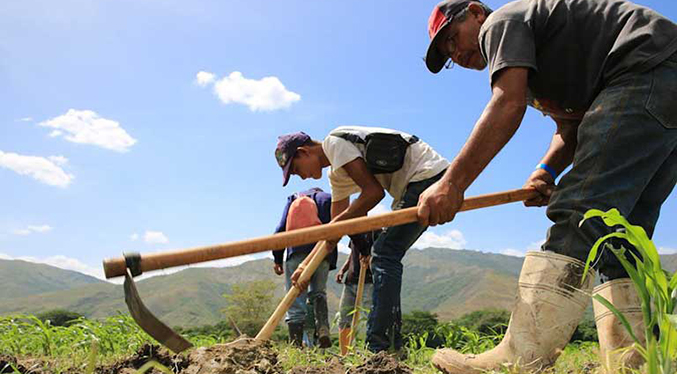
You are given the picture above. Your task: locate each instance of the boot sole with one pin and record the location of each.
(325, 342)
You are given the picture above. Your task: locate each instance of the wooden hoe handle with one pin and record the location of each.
(116, 267)
(318, 254)
(358, 302)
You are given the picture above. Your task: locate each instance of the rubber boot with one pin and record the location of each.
(344, 338)
(548, 307)
(296, 334)
(322, 321)
(613, 337)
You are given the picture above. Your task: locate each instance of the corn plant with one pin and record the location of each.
(656, 289)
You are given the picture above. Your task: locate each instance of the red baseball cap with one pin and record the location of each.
(441, 17)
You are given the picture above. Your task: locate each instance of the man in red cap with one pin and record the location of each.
(606, 72)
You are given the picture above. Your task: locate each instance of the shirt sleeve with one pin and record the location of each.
(323, 202)
(508, 43)
(278, 254)
(342, 186)
(339, 151)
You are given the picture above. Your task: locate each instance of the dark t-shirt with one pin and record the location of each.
(574, 47)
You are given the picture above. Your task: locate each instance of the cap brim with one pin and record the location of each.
(286, 172)
(434, 60)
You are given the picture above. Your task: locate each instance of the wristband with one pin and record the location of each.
(547, 168)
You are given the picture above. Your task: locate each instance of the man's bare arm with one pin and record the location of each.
(372, 191)
(559, 155)
(498, 123)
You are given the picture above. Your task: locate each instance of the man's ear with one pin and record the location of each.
(302, 150)
(478, 12)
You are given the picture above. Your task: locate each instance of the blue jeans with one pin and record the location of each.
(385, 319)
(317, 287)
(626, 158)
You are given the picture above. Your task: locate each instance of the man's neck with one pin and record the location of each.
(324, 161)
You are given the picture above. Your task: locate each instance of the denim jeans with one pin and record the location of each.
(626, 158)
(317, 287)
(385, 319)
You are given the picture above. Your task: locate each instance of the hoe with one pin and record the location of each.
(132, 265)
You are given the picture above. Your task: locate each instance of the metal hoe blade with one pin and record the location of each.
(148, 322)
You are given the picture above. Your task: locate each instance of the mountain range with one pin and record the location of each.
(443, 281)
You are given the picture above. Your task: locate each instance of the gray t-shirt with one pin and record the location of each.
(574, 47)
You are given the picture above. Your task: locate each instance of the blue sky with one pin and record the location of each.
(109, 142)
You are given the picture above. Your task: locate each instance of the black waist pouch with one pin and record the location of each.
(384, 153)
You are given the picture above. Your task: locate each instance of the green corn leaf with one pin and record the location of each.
(671, 338)
(636, 276)
(595, 248)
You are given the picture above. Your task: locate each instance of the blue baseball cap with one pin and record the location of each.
(286, 150)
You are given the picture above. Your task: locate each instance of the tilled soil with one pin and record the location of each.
(333, 367)
(146, 353)
(9, 364)
(6, 363)
(243, 356)
(382, 363)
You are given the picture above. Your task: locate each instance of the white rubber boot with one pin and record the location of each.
(613, 336)
(548, 307)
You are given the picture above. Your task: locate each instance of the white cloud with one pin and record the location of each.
(45, 170)
(204, 78)
(41, 228)
(155, 237)
(87, 127)
(61, 262)
(234, 261)
(343, 248)
(535, 246)
(451, 239)
(59, 160)
(667, 251)
(266, 94)
(134, 237)
(33, 229)
(26, 119)
(378, 209)
(513, 252)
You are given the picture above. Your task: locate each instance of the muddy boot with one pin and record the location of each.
(613, 337)
(322, 321)
(296, 334)
(548, 307)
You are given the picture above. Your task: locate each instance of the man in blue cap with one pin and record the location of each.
(606, 72)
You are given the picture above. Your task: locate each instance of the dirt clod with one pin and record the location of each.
(243, 356)
(333, 367)
(9, 363)
(382, 363)
(146, 353)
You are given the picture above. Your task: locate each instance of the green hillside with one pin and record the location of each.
(447, 282)
(21, 278)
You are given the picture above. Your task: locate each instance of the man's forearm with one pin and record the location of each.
(361, 206)
(560, 154)
(499, 122)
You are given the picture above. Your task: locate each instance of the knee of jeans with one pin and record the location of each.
(317, 295)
